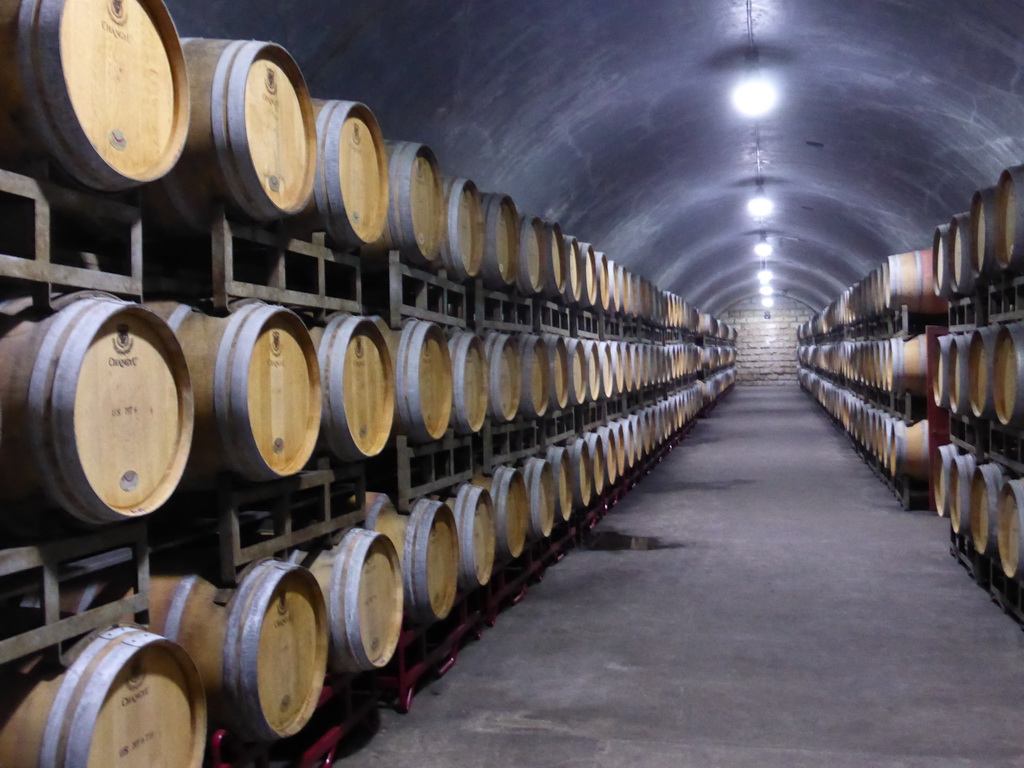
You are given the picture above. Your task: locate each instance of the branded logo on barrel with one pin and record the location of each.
(117, 12)
(271, 82)
(355, 135)
(123, 345)
(275, 343)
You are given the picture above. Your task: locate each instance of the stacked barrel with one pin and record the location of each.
(865, 360)
(113, 409)
(979, 378)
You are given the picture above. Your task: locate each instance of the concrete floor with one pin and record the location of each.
(798, 618)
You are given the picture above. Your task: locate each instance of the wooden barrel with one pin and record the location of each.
(959, 374)
(476, 525)
(579, 371)
(1010, 220)
(960, 255)
(257, 387)
(361, 580)
(614, 272)
(501, 242)
(1011, 531)
(588, 276)
(573, 290)
(423, 382)
(427, 542)
(542, 492)
(617, 371)
(470, 379)
(561, 465)
(557, 261)
(251, 140)
(599, 460)
(358, 383)
(907, 368)
(535, 376)
(938, 370)
(262, 656)
(625, 434)
(908, 450)
(558, 365)
(614, 459)
(595, 370)
(984, 235)
(940, 471)
(350, 191)
(981, 358)
(604, 281)
(462, 246)
(511, 510)
(1008, 373)
(100, 87)
(131, 698)
(533, 253)
(416, 203)
(607, 369)
(504, 380)
(98, 409)
(958, 488)
(942, 266)
(581, 465)
(986, 483)
(912, 282)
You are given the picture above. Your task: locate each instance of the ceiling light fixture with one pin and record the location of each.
(764, 277)
(763, 249)
(760, 207)
(755, 96)
(767, 302)
(767, 290)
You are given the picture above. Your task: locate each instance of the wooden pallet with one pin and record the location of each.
(397, 292)
(501, 311)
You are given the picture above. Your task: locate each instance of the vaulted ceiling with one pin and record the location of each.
(614, 118)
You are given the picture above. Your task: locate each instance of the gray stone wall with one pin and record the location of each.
(766, 350)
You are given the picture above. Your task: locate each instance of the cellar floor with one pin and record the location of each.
(778, 609)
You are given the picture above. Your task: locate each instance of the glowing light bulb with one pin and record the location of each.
(764, 277)
(767, 302)
(763, 250)
(767, 290)
(760, 207)
(754, 97)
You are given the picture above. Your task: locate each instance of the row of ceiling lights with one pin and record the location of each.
(756, 97)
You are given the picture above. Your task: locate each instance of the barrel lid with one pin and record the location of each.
(363, 173)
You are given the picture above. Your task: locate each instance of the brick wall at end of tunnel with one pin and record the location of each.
(766, 350)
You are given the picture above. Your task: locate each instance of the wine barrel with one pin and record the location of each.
(938, 370)
(599, 460)
(358, 383)
(540, 487)
(257, 387)
(476, 525)
(614, 460)
(535, 376)
(462, 246)
(1008, 373)
(561, 466)
(427, 543)
(940, 471)
(588, 277)
(100, 87)
(533, 248)
(986, 483)
(262, 656)
(581, 464)
(984, 235)
(1011, 531)
(625, 434)
(615, 367)
(614, 272)
(558, 365)
(981, 358)
(416, 204)
(579, 372)
(942, 266)
(912, 282)
(604, 281)
(350, 190)
(1010, 220)
(557, 262)
(573, 290)
(501, 242)
(423, 382)
(361, 580)
(504, 380)
(959, 490)
(959, 375)
(98, 409)
(251, 140)
(131, 698)
(960, 254)
(595, 374)
(511, 510)
(907, 370)
(469, 390)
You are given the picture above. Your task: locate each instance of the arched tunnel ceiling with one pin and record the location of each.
(614, 117)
